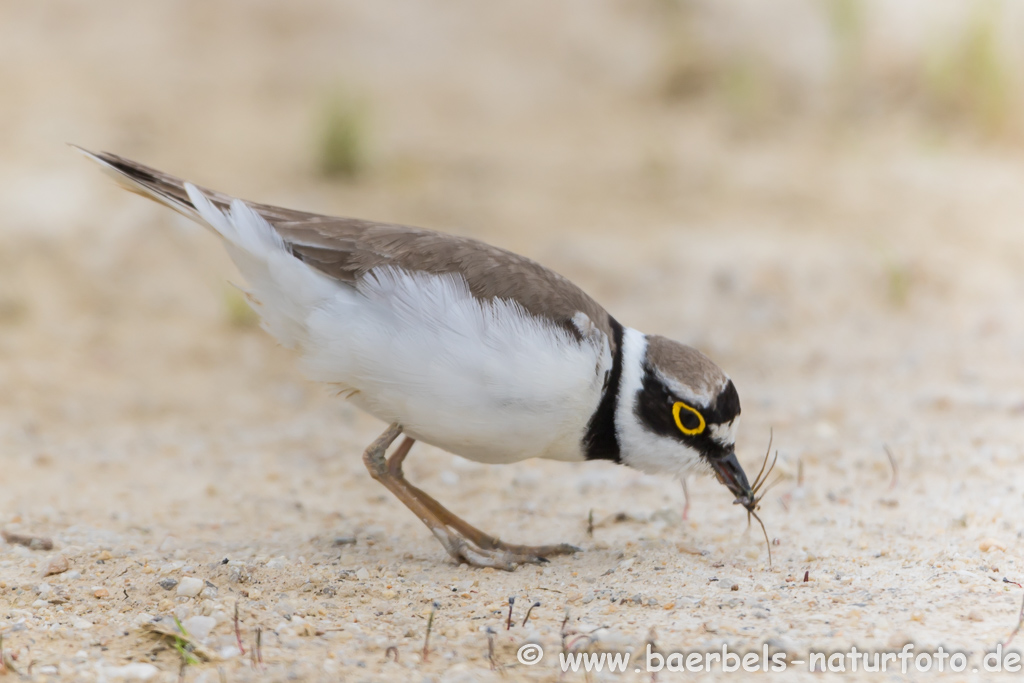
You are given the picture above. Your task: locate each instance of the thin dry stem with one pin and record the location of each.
(895, 468)
(430, 626)
(238, 632)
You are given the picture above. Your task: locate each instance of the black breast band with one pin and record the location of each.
(601, 441)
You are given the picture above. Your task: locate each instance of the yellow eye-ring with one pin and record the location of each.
(677, 409)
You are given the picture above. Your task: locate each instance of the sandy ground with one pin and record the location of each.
(862, 288)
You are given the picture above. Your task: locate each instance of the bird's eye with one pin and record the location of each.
(689, 420)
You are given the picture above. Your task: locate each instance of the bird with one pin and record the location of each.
(468, 347)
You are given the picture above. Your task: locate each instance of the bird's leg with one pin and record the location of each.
(377, 464)
(458, 547)
(481, 539)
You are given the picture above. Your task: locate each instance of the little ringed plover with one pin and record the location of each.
(468, 347)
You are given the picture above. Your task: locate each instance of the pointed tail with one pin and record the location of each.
(151, 183)
(281, 287)
(171, 191)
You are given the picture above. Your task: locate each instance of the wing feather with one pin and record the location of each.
(346, 249)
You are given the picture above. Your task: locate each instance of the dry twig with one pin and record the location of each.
(490, 649)
(256, 654)
(238, 632)
(430, 625)
(530, 611)
(180, 639)
(895, 468)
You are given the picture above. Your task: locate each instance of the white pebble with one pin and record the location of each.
(362, 574)
(277, 563)
(142, 618)
(190, 587)
(171, 567)
(229, 651)
(199, 627)
(136, 671)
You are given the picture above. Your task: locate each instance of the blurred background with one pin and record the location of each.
(823, 195)
(834, 180)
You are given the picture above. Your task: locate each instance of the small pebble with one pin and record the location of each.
(136, 671)
(782, 644)
(190, 587)
(199, 627)
(362, 574)
(142, 618)
(988, 544)
(57, 565)
(100, 592)
(237, 574)
(168, 583)
(344, 540)
(33, 542)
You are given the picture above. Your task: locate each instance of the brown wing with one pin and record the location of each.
(347, 248)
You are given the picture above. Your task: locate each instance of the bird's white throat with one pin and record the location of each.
(640, 447)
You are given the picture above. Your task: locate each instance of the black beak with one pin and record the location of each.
(729, 472)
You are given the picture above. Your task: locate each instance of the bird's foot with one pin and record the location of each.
(500, 555)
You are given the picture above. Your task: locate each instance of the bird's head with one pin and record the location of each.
(678, 413)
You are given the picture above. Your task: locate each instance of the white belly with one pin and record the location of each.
(483, 380)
